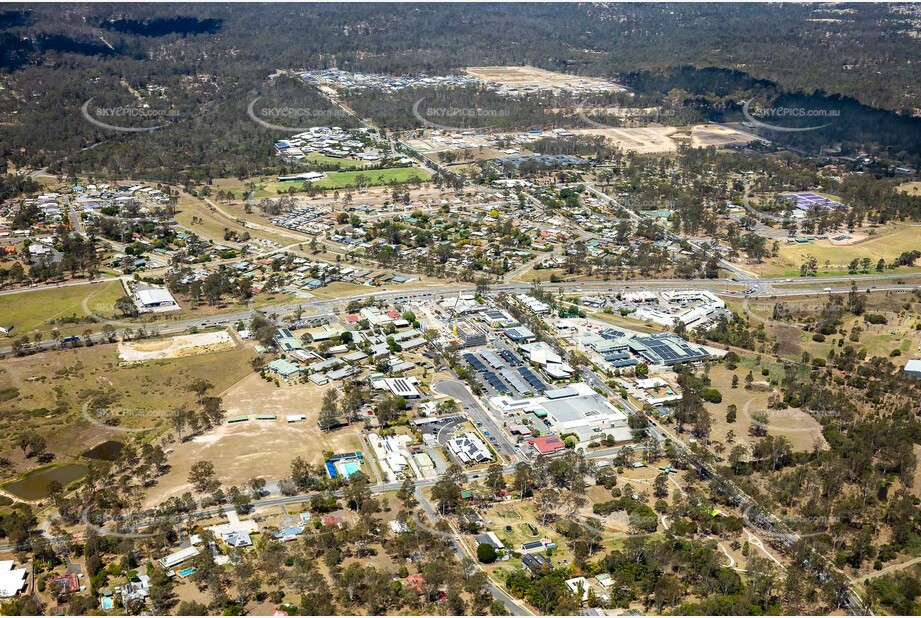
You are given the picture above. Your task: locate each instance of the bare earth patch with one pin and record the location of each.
(527, 75)
(175, 347)
(719, 136)
(640, 140)
(241, 451)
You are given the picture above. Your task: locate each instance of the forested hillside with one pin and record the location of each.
(206, 63)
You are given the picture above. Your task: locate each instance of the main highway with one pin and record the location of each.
(751, 288)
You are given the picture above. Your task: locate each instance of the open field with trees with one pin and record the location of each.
(46, 393)
(888, 243)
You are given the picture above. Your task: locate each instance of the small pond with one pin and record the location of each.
(34, 485)
(106, 451)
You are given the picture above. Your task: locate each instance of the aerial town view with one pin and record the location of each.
(460, 309)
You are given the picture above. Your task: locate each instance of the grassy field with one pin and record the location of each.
(799, 427)
(887, 243)
(615, 319)
(340, 289)
(208, 223)
(49, 391)
(316, 157)
(341, 180)
(34, 311)
(211, 224)
(877, 339)
(911, 188)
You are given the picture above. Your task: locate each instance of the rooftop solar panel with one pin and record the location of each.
(491, 359)
(536, 383)
(510, 357)
(516, 382)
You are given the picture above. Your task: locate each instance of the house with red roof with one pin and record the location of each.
(547, 445)
(332, 521)
(416, 583)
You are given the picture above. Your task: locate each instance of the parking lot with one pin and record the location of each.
(503, 372)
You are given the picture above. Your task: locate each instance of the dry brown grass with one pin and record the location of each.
(241, 451)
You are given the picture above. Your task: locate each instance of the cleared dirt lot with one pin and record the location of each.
(527, 75)
(175, 347)
(241, 451)
(719, 136)
(640, 140)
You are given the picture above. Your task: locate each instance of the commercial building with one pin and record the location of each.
(519, 334)
(285, 341)
(151, 298)
(667, 349)
(547, 445)
(703, 306)
(534, 305)
(284, 369)
(469, 449)
(545, 357)
(399, 387)
(578, 406)
(391, 452)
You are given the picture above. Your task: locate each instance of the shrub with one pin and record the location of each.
(712, 395)
(819, 337)
(875, 318)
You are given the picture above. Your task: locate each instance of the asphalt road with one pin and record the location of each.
(768, 288)
(474, 410)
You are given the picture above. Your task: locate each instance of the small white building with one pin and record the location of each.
(155, 299)
(12, 581)
(178, 557)
(578, 583)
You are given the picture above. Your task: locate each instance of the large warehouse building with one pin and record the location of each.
(576, 408)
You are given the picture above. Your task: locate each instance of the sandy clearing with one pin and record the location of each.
(640, 140)
(528, 75)
(174, 347)
(241, 451)
(719, 136)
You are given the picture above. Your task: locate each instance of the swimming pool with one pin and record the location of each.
(108, 603)
(350, 467)
(186, 572)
